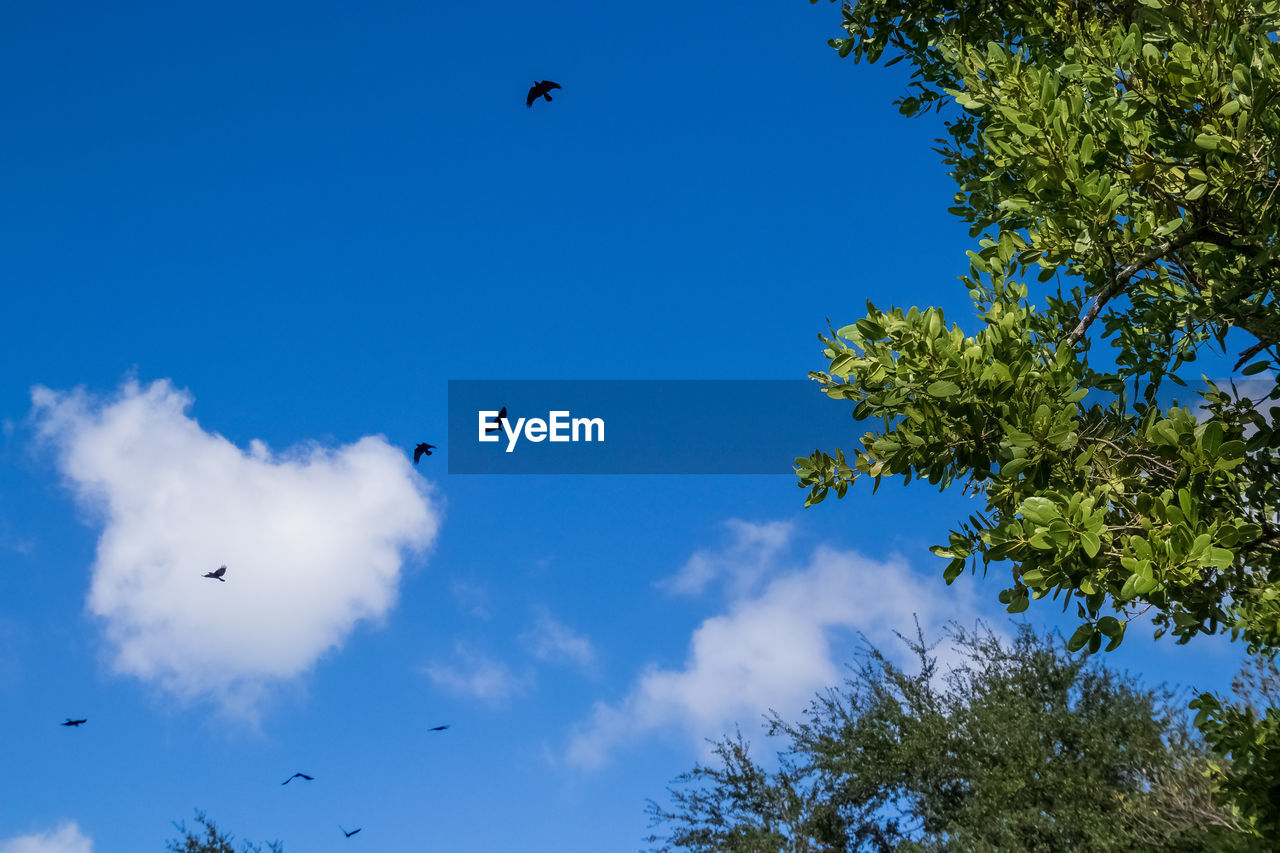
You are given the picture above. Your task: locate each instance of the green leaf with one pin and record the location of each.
(1039, 510)
(1109, 626)
(1231, 450)
(1220, 558)
(1211, 439)
(1081, 636)
(1014, 467)
(942, 388)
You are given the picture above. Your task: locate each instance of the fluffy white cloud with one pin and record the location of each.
(476, 676)
(313, 538)
(773, 648)
(67, 838)
(553, 641)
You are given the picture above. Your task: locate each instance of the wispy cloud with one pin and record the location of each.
(772, 649)
(472, 598)
(314, 539)
(67, 838)
(476, 676)
(742, 562)
(555, 642)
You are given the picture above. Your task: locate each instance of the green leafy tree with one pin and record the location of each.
(1117, 164)
(1019, 746)
(209, 839)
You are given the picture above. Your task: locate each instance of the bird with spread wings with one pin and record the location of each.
(540, 89)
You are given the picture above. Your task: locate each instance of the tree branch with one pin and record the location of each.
(1121, 281)
(1250, 353)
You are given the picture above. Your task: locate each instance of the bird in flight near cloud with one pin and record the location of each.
(297, 776)
(217, 574)
(74, 723)
(422, 450)
(540, 89)
(351, 833)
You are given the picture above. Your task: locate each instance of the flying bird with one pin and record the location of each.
(351, 833)
(437, 728)
(422, 450)
(297, 776)
(502, 416)
(74, 723)
(218, 575)
(540, 89)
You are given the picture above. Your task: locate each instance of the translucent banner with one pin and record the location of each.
(641, 426)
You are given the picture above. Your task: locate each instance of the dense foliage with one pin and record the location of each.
(1017, 745)
(1117, 163)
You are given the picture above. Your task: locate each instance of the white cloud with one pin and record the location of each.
(555, 642)
(748, 556)
(477, 677)
(314, 539)
(67, 838)
(773, 649)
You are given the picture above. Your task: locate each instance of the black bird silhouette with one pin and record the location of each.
(297, 776)
(422, 450)
(218, 575)
(437, 728)
(73, 723)
(351, 833)
(502, 416)
(540, 89)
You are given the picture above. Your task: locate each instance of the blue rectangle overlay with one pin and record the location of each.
(643, 426)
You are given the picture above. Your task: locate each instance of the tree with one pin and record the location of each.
(1021, 746)
(212, 840)
(1123, 154)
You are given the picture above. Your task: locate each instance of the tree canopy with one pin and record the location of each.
(1017, 745)
(1117, 165)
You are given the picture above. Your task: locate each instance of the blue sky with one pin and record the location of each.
(293, 225)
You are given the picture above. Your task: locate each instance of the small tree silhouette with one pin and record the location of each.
(211, 840)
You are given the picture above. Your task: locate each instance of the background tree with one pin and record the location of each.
(212, 840)
(1018, 746)
(1119, 159)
